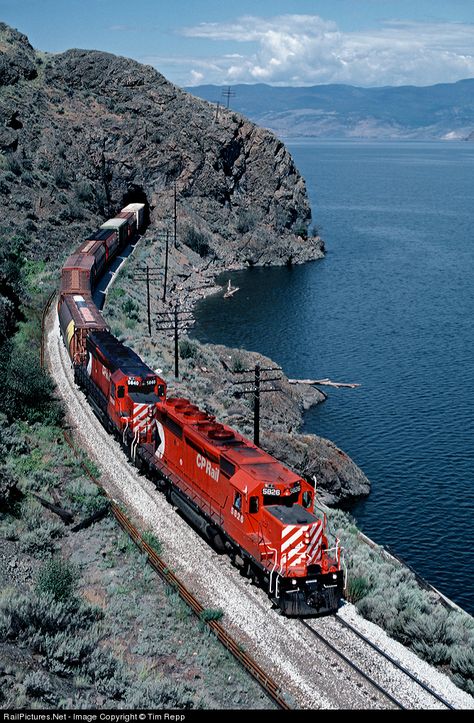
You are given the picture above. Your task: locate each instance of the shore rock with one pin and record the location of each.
(338, 478)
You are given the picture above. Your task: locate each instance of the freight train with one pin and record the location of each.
(241, 499)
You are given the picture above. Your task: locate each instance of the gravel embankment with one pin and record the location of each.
(310, 673)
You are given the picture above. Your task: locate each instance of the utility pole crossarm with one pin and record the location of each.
(256, 391)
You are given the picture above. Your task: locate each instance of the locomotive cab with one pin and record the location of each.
(130, 390)
(132, 404)
(304, 574)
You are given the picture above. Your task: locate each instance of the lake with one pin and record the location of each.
(391, 307)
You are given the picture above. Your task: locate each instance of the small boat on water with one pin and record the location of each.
(230, 290)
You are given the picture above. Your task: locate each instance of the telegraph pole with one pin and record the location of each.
(175, 216)
(256, 407)
(148, 298)
(228, 93)
(148, 274)
(256, 390)
(166, 265)
(174, 321)
(176, 345)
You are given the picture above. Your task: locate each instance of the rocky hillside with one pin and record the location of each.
(82, 132)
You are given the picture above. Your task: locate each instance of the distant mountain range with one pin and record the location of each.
(443, 111)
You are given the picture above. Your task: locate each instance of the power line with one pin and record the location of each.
(256, 390)
(228, 93)
(144, 275)
(176, 323)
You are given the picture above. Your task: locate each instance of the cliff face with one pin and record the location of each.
(82, 132)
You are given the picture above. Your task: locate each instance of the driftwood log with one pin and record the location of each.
(66, 516)
(99, 515)
(324, 383)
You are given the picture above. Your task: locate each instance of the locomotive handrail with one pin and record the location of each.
(273, 568)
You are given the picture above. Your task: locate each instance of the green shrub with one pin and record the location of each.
(28, 619)
(84, 191)
(246, 221)
(130, 308)
(43, 163)
(462, 665)
(56, 578)
(116, 292)
(40, 542)
(38, 685)
(27, 390)
(197, 241)
(14, 165)
(8, 483)
(85, 496)
(209, 614)
(153, 541)
(187, 350)
(357, 588)
(302, 231)
(237, 363)
(61, 177)
(156, 694)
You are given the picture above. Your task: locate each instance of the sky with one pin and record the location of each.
(292, 42)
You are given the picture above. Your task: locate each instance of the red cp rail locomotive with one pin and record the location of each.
(242, 499)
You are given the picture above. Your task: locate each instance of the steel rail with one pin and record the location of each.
(43, 325)
(394, 662)
(270, 686)
(354, 666)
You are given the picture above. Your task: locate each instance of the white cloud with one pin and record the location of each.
(196, 77)
(307, 50)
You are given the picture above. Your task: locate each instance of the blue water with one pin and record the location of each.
(391, 307)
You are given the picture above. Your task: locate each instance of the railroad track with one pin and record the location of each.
(269, 685)
(368, 677)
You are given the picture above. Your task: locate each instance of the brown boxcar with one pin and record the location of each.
(78, 316)
(109, 238)
(76, 274)
(139, 210)
(119, 225)
(131, 219)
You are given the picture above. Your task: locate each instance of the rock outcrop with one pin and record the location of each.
(338, 478)
(83, 131)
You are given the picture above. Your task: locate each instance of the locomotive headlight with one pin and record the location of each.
(293, 582)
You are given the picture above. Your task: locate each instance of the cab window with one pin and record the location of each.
(253, 505)
(120, 392)
(307, 499)
(237, 501)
